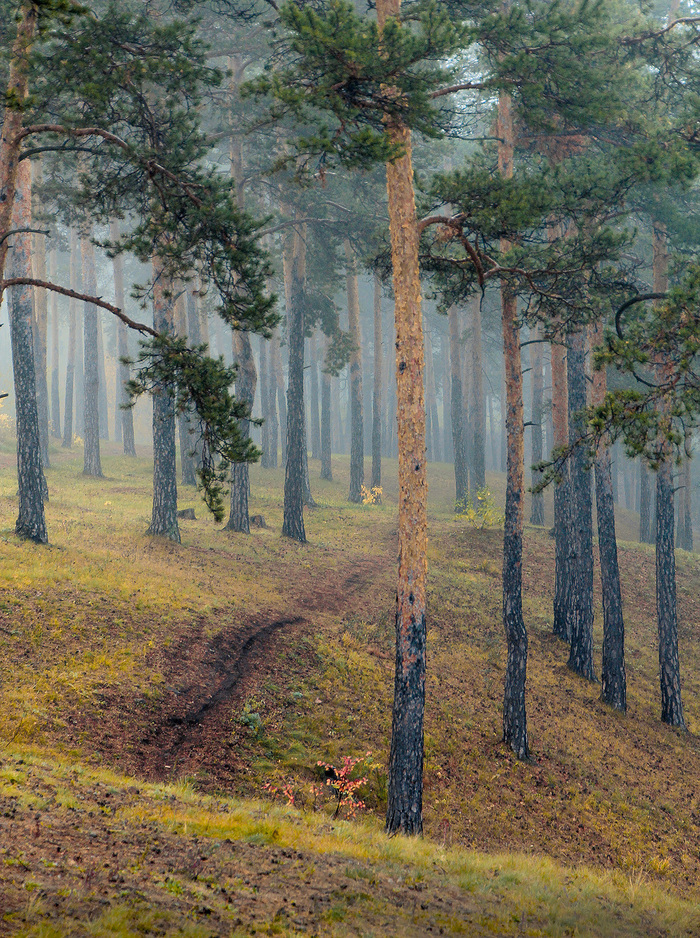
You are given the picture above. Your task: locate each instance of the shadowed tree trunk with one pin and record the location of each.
(246, 380)
(357, 455)
(581, 542)
(264, 403)
(646, 505)
(514, 713)
(666, 608)
(477, 409)
(537, 504)
(326, 448)
(293, 523)
(377, 388)
(125, 415)
(684, 534)
(55, 394)
(433, 433)
(457, 411)
(185, 424)
(164, 513)
(102, 403)
(31, 522)
(447, 444)
(92, 465)
(273, 426)
(405, 783)
(560, 431)
(281, 398)
(313, 394)
(613, 689)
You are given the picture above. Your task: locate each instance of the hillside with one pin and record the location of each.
(146, 687)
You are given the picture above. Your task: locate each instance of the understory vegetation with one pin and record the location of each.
(172, 717)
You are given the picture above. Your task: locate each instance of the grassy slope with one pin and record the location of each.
(99, 635)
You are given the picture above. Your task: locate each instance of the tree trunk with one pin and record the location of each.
(164, 513)
(405, 785)
(537, 504)
(666, 608)
(562, 523)
(477, 410)
(431, 399)
(40, 332)
(273, 428)
(293, 522)
(457, 411)
(581, 542)
(125, 415)
(447, 443)
(314, 401)
(92, 465)
(185, 424)
(646, 506)
(326, 467)
(377, 388)
(514, 713)
(357, 455)
(613, 678)
(68, 403)
(55, 394)
(684, 534)
(103, 404)
(246, 381)
(31, 522)
(264, 403)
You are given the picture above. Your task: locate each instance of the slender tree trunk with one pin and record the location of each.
(126, 415)
(103, 403)
(581, 543)
(92, 465)
(684, 534)
(72, 341)
(246, 381)
(164, 513)
(447, 441)
(293, 523)
(55, 356)
(477, 450)
(666, 608)
(314, 399)
(273, 428)
(40, 333)
(185, 423)
(264, 403)
(537, 505)
(456, 411)
(514, 713)
(31, 522)
(431, 399)
(405, 785)
(613, 678)
(377, 389)
(326, 467)
(357, 455)
(562, 523)
(646, 506)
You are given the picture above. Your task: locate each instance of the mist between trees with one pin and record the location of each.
(448, 232)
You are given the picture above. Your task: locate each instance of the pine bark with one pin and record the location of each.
(580, 610)
(68, 403)
(264, 403)
(457, 411)
(357, 455)
(246, 382)
(537, 503)
(562, 523)
(314, 398)
(55, 355)
(92, 465)
(164, 521)
(405, 784)
(377, 387)
(293, 521)
(326, 446)
(273, 422)
(31, 522)
(40, 333)
(103, 403)
(613, 677)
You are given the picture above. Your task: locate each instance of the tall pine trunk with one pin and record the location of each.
(537, 504)
(273, 422)
(314, 398)
(31, 522)
(103, 402)
(562, 525)
(357, 454)
(246, 381)
(457, 410)
(613, 678)
(293, 521)
(92, 465)
(405, 784)
(666, 608)
(326, 444)
(646, 505)
(264, 403)
(185, 422)
(164, 512)
(68, 403)
(40, 333)
(684, 532)
(377, 387)
(580, 608)
(125, 416)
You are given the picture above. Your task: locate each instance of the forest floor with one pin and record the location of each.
(164, 710)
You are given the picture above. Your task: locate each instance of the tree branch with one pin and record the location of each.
(95, 300)
(465, 86)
